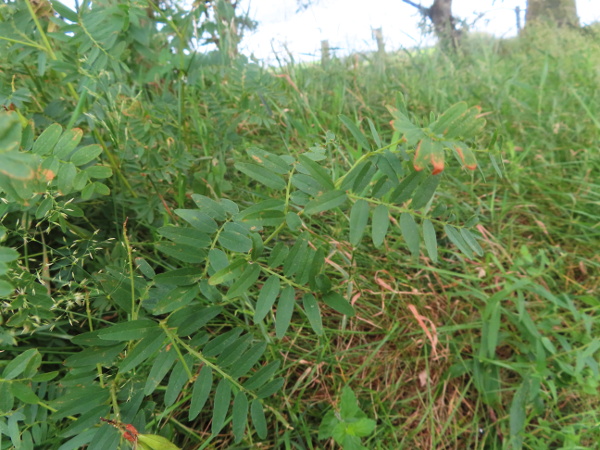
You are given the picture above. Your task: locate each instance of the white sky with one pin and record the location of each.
(347, 24)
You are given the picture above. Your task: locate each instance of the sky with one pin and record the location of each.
(347, 24)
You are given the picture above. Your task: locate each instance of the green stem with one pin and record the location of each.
(28, 44)
(50, 408)
(134, 312)
(177, 349)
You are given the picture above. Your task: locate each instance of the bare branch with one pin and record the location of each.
(422, 9)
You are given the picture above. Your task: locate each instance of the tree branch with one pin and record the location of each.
(422, 9)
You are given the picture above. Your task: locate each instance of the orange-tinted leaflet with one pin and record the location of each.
(128, 431)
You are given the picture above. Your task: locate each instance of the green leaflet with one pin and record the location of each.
(46, 141)
(339, 303)
(311, 309)
(24, 392)
(154, 442)
(295, 259)
(65, 177)
(246, 361)
(266, 298)
(143, 350)
(425, 191)
(179, 277)
(67, 143)
(99, 172)
(221, 342)
(258, 418)
(457, 239)
(379, 224)
(181, 252)
(430, 240)
(293, 221)
(325, 202)
(234, 351)
(214, 209)
(86, 154)
(307, 184)
(200, 392)
(177, 298)
(244, 282)
(411, 132)
(471, 241)
(239, 415)
(448, 120)
(269, 161)
(229, 273)
(177, 380)
(262, 375)
(8, 254)
(127, 331)
(317, 172)
(285, 309)
(410, 233)
(405, 189)
(185, 236)
(234, 237)
(359, 216)
(364, 177)
(278, 255)
(262, 175)
(94, 356)
(19, 364)
(190, 319)
(198, 219)
(221, 406)
(270, 388)
(161, 366)
(374, 133)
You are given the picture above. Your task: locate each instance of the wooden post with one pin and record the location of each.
(380, 56)
(518, 14)
(325, 56)
(378, 36)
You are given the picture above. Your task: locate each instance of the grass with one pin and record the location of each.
(497, 351)
(539, 224)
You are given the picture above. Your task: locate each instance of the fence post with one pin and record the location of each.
(378, 36)
(380, 56)
(325, 56)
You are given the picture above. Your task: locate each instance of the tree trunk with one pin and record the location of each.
(559, 12)
(444, 24)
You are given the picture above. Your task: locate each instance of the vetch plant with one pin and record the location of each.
(154, 271)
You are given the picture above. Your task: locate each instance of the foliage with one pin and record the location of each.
(349, 425)
(185, 242)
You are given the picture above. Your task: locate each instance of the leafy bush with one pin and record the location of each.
(175, 223)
